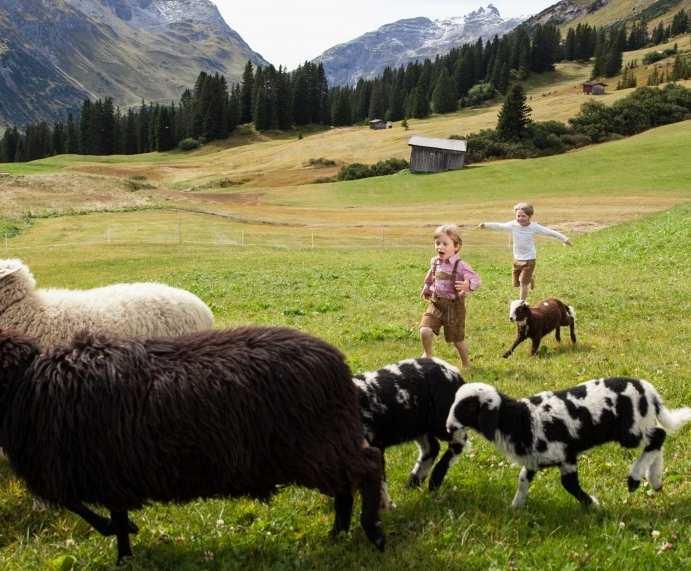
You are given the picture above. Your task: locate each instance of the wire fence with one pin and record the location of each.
(172, 228)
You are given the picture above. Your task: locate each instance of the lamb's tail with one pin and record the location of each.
(675, 418)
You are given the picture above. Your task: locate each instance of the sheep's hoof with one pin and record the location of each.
(414, 481)
(506, 355)
(594, 503)
(633, 484)
(376, 535)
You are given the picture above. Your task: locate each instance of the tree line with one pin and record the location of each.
(607, 44)
(277, 99)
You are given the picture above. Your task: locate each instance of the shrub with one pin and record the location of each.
(321, 162)
(189, 144)
(355, 171)
(652, 57)
(478, 94)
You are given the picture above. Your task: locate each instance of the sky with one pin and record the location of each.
(289, 33)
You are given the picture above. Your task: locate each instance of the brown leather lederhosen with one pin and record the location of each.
(449, 313)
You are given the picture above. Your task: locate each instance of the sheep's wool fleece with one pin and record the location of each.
(54, 316)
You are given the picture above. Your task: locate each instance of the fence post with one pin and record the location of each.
(313, 240)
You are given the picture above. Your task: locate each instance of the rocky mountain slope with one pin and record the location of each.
(569, 13)
(408, 40)
(53, 53)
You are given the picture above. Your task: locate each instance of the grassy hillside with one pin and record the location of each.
(630, 287)
(624, 10)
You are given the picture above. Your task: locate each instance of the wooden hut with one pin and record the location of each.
(594, 88)
(435, 155)
(377, 124)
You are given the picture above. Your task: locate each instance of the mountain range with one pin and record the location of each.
(409, 40)
(55, 53)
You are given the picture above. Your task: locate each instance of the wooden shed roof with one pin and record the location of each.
(445, 144)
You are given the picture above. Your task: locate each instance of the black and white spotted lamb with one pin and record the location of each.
(120, 422)
(552, 428)
(410, 400)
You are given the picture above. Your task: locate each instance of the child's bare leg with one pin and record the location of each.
(524, 291)
(427, 338)
(462, 349)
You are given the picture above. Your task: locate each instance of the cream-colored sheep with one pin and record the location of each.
(53, 316)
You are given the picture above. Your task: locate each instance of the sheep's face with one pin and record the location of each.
(476, 406)
(518, 311)
(9, 269)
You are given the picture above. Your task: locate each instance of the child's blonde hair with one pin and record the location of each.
(525, 207)
(452, 231)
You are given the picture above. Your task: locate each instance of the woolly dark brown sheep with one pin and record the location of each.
(120, 422)
(537, 321)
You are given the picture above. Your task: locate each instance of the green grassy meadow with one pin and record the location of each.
(629, 284)
(345, 261)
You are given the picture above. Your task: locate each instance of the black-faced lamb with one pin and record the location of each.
(121, 422)
(54, 316)
(537, 321)
(552, 428)
(410, 400)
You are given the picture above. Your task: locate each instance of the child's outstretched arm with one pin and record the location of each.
(539, 229)
(496, 225)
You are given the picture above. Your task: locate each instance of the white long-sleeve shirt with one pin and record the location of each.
(523, 237)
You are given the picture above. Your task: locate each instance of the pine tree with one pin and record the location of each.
(418, 104)
(377, 104)
(658, 34)
(444, 98)
(247, 91)
(680, 23)
(514, 115)
(570, 45)
(130, 135)
(680, 70)
(463, 75)
(8, 146)
(341, 112)
(58, 138)
(72, 136)
(85, 130)
(396, 107)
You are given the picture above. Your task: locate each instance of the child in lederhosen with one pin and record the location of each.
(524, 231)
(447, 283)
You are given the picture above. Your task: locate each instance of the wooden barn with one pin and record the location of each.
(435, 155)
(594, 88)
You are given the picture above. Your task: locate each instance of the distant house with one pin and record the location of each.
(594, 88)
(379, 124)
(435, 155)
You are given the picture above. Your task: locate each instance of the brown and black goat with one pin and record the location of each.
(536, 322)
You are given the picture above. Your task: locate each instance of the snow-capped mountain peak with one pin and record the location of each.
(403, 41)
